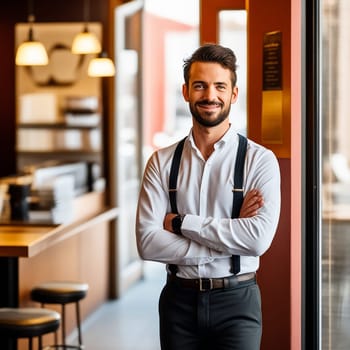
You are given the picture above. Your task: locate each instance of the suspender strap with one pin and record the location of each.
(174, 171)
(238, 193)
(238, 178)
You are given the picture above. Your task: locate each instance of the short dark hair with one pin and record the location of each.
(212, 53)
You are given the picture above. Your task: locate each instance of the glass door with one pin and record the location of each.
(332, 122)
(127, 137)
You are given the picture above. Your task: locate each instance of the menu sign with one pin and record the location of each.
(272, 61)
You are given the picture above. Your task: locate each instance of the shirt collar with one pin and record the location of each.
(230, 136)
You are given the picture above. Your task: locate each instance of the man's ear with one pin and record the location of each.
(185, 92)
(234, 94)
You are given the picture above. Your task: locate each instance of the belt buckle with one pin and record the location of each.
(205, 286)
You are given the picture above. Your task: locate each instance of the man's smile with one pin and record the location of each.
(209, 106)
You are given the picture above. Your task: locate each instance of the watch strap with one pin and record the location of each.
(176, 223)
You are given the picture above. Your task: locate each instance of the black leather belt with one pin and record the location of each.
(205, 284)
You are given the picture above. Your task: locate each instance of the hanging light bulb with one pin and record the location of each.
(31, 52)
(86, 42)
(101, 66)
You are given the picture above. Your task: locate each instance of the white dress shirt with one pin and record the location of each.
(204, 194)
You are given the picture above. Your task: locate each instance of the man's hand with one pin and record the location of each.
(167, 222)
(252, 202)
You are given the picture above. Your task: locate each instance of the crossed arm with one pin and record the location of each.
(252, 202)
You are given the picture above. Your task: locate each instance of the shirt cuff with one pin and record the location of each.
(191, 226)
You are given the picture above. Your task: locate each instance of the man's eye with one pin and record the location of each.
(198, 86)
(221, 87)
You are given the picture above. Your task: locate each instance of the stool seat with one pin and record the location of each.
(28, 322)
(60, 292)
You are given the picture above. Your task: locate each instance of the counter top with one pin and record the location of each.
(21, 240)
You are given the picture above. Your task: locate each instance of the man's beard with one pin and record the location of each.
(205, 122)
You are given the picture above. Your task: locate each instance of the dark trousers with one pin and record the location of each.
(220, 319)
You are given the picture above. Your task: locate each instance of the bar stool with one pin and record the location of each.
(28, 323)
(62, 292)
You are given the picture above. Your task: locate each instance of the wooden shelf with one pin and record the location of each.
(59, 125)
(59, 152)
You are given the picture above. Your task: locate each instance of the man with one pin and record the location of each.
(207, 302)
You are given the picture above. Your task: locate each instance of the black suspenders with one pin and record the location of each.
(238, 193)
(174, 172)
(237, 189)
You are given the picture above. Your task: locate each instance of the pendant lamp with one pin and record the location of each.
(86, 42)
(31, 52)
(101, 66)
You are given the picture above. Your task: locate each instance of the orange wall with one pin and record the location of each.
(209, 18)
(280, 273)
(296, 186)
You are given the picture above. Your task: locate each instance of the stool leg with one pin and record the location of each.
(56, 337)
(30, 343)
(55, 334)
(78, 323)
(63, 324)
(40, 342)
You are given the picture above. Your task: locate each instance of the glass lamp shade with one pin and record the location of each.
(85, 43)
(101, 67)
(31, 53)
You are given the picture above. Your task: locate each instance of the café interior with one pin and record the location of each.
(80, 118)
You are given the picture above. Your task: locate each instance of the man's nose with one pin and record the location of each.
(210, 93)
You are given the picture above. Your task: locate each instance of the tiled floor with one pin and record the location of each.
(129, 323)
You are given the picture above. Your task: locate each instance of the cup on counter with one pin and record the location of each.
(19, 201)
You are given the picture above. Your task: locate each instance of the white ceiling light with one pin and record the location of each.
(86, 42)
(31, 52)
(101, 66)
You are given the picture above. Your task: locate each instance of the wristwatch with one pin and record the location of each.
(176, 223)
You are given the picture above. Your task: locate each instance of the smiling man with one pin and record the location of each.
(208, 208)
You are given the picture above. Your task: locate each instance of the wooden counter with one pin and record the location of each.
(23, 240)
(31, 254)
